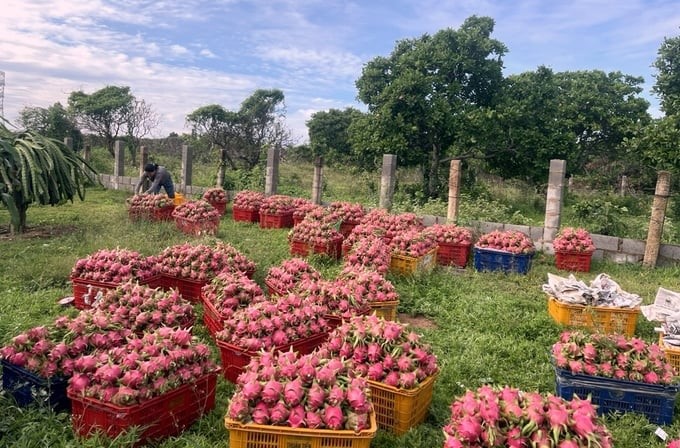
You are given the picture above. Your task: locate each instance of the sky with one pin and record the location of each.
(180, 55)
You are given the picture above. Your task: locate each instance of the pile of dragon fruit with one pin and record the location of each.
(229, 291)
(267, 325)
(215, 195)
(277, 204)
(311, 391)
(114, 266)
(202, 262)
(198, 211)
(144, 367)
(248, 200)
(286, 276)
(143, 204)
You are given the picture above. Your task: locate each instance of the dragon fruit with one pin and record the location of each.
(338, 400)
(266, 325)
(370, 343)
(509, 417)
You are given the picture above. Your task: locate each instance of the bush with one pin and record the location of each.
(601, 216)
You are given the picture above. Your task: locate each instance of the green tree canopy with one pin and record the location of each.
(53, 122)
(422, 94)
(329, 133)
(667, 85)
(244, 135)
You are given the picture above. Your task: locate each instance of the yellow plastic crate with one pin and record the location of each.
(672, 354)
(601, 319)
(402, 264)
(250, 435)
(386, 310)
(398, 410)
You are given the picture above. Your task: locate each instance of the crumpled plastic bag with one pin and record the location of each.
(666, 305)
(602, 291)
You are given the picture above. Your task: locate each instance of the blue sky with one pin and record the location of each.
(180, 55)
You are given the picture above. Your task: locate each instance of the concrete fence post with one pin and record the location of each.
(143, 159)
(87, 153)
(624, 185)
(661, 194)
(553, 202)
(454, 191)
(187, 166)
(68, 142)
(387, 181)
(317, 181)
(272, 173)
(118, 163)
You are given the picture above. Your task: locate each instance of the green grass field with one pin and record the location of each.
(486, 327)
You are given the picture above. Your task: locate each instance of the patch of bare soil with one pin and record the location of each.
(37, 232)
(419, 321)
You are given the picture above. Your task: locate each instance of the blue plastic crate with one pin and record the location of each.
(655, 401)
(499, 261)
(28, 388)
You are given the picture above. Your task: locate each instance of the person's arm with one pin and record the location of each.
(140, 184)
(156, 185)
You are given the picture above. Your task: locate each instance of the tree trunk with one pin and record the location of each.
(22, 220)
(433, 175)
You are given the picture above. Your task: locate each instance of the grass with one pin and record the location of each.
(488, 327)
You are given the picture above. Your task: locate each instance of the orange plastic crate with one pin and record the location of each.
(159, 417)
(573, 261)
(398, 410)
(251, 435)
(281, 221)
(404, 265)
(453, 254)
(600, 319)
(386, 310)
(672, 354)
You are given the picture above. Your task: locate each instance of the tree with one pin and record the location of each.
(582, 117)
(329, 133)
(141, 121)
(37, 169)
(53, 122)
(667, 85)
(244, 135)
(421, 95)
(112, 112)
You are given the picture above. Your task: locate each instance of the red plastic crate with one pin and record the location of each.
(211, 317)
(453, 254)
(272, 290)
(189, 289)
(163, 416)
(281, 221)
(235, 359)
(297, 220)
(162, 213)
(573, 261)
(220, 206)
(347, 226)
(198, 228)
(332, 248)
(85, 292)
(242, 215)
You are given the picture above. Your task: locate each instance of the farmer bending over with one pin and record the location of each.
(159, 177)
